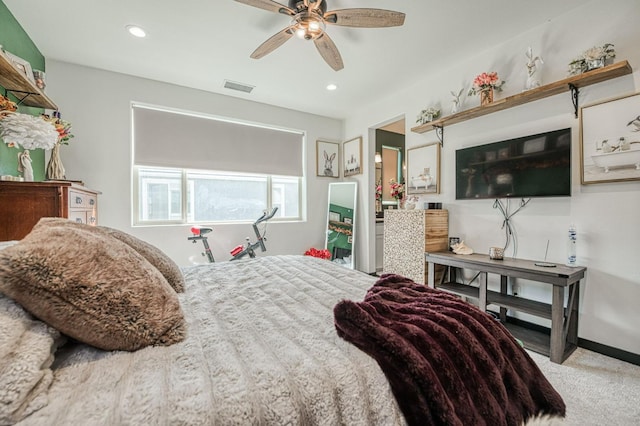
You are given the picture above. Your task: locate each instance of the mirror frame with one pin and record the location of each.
(422, 159)
(338, 223)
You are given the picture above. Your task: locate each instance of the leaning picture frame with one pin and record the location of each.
(352, 157)
(423, 169)
(610, 140)
(327, 159)
(23, 66)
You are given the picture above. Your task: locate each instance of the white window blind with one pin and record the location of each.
(172, 139)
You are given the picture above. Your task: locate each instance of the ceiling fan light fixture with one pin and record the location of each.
(308, 25)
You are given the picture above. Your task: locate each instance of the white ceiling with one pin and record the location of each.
(200, 43)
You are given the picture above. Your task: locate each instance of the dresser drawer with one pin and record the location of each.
(78, 216)
(87, 217)
(82, 200)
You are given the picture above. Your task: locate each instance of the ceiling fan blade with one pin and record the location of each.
(365, 18)
(272, 43)
(269, 5)
(329, 52)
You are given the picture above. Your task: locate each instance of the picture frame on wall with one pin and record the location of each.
(610, 140)
(423, 169)
(327, 161)
(23, 66)
(352, 157)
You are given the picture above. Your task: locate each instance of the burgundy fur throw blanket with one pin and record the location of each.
(447, 362)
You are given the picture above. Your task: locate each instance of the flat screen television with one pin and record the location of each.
(530, 166)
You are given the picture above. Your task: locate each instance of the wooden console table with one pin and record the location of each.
(564, 319)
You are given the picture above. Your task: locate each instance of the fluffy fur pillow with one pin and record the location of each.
(26, 353)
(91, 287)
(154, 255)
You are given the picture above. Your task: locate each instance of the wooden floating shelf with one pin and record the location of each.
(21, 87)
(582, 80)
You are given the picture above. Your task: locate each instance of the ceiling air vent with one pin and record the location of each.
(241, 87)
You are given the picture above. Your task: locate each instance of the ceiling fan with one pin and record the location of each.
(309, 19)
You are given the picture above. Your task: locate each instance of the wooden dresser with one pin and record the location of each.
(22, 204)
(408, 234)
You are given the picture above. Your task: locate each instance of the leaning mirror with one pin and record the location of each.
(423, 169)
(341, 214)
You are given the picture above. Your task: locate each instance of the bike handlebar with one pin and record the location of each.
(266, 217)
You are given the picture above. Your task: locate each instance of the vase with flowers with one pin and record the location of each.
(397, 192)
(485, 84)
(55, 169)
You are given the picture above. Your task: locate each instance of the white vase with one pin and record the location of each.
(55, 169)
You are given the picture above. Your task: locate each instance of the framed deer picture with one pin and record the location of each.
(327, 161)
(352, 156)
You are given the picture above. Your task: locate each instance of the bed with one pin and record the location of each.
(260, 347)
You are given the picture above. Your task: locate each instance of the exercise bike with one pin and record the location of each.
(241, 250)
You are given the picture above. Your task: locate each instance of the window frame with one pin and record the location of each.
(186, 203)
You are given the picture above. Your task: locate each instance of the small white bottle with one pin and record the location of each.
(571, 246)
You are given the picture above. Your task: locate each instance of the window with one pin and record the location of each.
(189, 196)
(263, 168)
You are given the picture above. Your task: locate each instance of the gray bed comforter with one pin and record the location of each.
(262, 349)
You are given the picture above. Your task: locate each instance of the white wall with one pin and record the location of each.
(607, 215)
(97, 103)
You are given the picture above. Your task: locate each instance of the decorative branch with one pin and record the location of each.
(509, 230)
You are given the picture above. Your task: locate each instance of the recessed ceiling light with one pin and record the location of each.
(136, 31)
(331, 86)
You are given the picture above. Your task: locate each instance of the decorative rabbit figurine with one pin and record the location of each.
(456, 102)
(532, 80)
(328, 163)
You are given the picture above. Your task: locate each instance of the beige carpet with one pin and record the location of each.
(598, 390)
